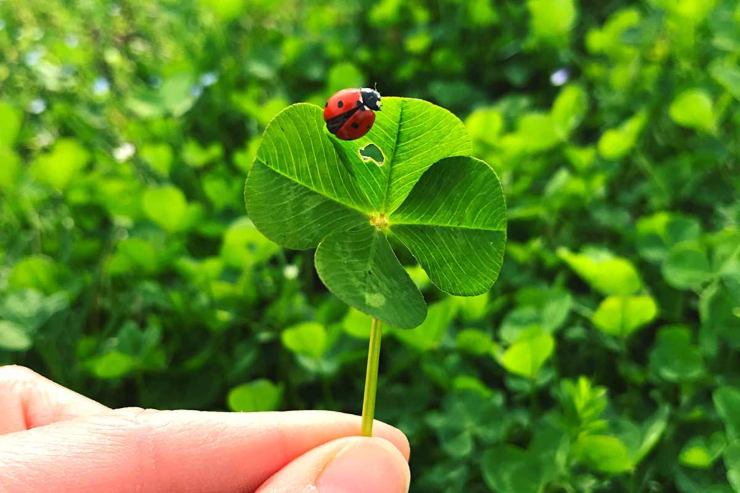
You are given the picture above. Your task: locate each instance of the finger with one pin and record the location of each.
(179, 451)
(346, 465)
(28, 400)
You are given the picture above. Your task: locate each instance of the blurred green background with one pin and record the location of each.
(129, 271)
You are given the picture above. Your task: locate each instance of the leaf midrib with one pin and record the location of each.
(447, 226)
(319, 192)
(392, 160)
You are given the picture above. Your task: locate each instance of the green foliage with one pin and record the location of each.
(130, 272)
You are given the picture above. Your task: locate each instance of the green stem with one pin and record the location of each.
(371, 378)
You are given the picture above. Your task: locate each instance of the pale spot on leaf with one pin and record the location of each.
(375, 299)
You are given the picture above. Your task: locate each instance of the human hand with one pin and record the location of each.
(55, 440)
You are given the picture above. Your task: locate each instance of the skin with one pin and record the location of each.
(55, 440)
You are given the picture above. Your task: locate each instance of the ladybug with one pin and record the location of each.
(350, 113)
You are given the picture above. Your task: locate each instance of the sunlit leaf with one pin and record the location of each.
(605, 272)
(166, 206)
(14, 337)
(694, 108)
(603, 453)
(622, 315)
(258, 395)
(307, 338)
(528, 354)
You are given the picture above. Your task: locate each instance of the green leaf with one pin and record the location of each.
(14, 337)
(292, 214)
(651, 431)
(158, 156)
(732, 464)
(603, 453)
(485, 125)
(584, 402)
(687, 266)
(30, 309)
(509, 469)
(175, 96)
(552, 20)
(413, 135)
(225, 10)
(622, 315)
(134, 255)
(458, 237)
(537, 132)
(569, 109)
(472, 308)
(307, 338)
(112, 365)
(10, 124)
(547, 308)
(255, 396)
(360, 268)
(37, 272)
(727, 74)
(528, 354)
(166, 206)
(357, 324)
(727, 403)
(474, 341)
(61, 165)
(430, 333)
(615, 143)
(719, 310)
(701, 452)
(674, 358)
(10, 167)
(605, 272)
(244, 246)
(693, 108)
(657, 233)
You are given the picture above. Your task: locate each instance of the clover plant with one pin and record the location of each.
(411, 183)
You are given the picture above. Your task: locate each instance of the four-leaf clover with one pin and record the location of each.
(308, 189)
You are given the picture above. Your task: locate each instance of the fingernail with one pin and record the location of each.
(366, 466)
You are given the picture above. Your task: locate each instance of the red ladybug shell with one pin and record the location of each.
(349, 113)
(358, 125)
(342, 102)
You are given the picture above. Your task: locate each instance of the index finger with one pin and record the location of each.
(28, 400)
(184, 451)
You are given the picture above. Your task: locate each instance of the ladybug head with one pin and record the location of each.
(371, 98)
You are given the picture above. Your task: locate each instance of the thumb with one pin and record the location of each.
(345, 465)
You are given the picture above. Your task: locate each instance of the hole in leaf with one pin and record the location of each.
(371, 152)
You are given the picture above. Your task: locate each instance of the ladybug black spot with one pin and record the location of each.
(326, 104)
(340, 103)
(355, 125)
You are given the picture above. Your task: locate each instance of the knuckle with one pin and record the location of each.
(16, 374)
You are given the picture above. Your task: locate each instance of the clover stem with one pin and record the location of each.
(371, 378)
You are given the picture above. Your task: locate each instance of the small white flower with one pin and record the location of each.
(34, 56)
(44, 138)
(101, 86)
(559, 77)
(37, 106)
(208, 79)
(124, 152)
(290, 271)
